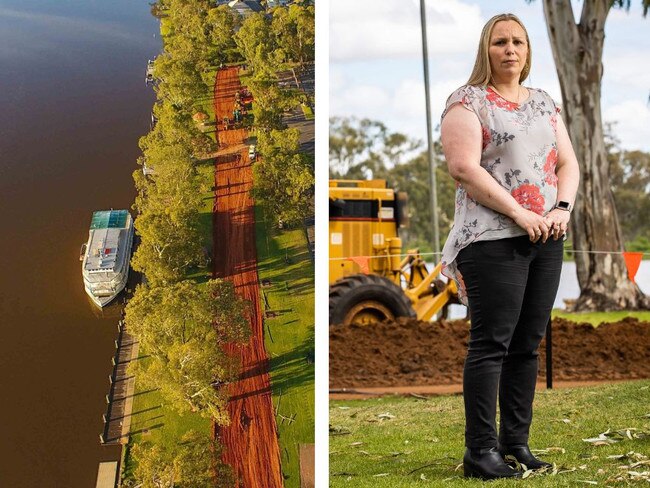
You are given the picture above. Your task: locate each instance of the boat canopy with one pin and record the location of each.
(109, 219)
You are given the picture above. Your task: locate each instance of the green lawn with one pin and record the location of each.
(284, 260)
(401, 442)
(154, 421)
(597, 318)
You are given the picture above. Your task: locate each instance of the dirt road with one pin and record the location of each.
(250, 442)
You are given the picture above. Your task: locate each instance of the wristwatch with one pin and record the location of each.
(562, 205)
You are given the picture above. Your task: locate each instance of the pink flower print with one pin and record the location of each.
(499, 101)
(529, 197)
(549, 168)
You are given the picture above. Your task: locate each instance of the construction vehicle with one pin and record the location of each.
(371, 279)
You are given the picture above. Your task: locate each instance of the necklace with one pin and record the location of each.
(499, 93)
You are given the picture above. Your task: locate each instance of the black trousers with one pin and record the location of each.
(511, 286)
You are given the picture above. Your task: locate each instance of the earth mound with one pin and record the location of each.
(409, 352)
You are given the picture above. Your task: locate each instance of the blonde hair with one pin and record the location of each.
(482, 72)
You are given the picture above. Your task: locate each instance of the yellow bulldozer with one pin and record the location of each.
(371, 279)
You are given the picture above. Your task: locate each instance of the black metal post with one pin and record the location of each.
(549, 354)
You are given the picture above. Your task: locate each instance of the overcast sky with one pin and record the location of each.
(376, 60)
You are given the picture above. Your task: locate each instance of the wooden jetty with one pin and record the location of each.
(107, 475)
(117, 420)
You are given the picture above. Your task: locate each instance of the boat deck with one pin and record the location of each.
(117, 420)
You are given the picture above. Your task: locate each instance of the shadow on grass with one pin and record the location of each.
(289, 369)
(147, 429)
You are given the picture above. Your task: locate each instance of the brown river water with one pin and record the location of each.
(73, 104)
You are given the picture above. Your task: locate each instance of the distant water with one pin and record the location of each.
(569, 288)
(73, 105)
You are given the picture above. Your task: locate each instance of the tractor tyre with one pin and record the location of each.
(365, 299)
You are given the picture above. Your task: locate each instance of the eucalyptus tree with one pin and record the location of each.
(184, 327)
(578, 51)
(223, 23)
(294, 31)
(284, 176)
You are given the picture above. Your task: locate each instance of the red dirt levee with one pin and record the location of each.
(250, 441)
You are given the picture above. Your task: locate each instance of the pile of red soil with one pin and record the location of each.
(409, 352)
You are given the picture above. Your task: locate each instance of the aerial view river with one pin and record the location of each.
(73, 104)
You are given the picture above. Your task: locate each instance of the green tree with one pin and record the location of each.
(294, 32)
(361, 149)
(154, 468)
(630, 180)
(189, 463)
(169, 246)
(578, 52)
(222, 24)
(183, 327)
(166, 315)
(413, 178)
(256, 43)
(179, 80)
(175, 127)
(271, 101)
(189, 376)
(284, 176)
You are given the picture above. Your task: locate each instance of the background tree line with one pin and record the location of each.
(361, 149)
(284, 176)
(202, 37)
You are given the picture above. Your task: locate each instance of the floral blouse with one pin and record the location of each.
(519, 152)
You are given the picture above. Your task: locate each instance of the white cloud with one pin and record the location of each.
(402, 107)
(632, 119)
(359, 100)
(630, 69)
(384, 29)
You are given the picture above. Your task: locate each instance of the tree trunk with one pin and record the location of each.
(578, 50)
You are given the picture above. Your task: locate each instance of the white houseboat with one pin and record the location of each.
(106, 255)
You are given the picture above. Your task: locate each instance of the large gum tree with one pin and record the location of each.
(578, 51)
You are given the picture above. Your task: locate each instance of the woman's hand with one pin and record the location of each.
(558, 221)
(536, 225)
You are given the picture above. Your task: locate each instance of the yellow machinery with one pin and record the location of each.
(371, 279)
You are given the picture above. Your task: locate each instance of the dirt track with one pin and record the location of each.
(415, 354)
(250, 442)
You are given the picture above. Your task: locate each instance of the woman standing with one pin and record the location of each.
(517, 178)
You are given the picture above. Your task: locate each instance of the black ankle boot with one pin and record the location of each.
(523, 455)
(486, 464)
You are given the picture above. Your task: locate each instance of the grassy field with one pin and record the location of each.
(597, 318)
(154, 421)
(287, 274)
(401, 442)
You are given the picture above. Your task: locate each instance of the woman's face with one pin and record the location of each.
(508, 50)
